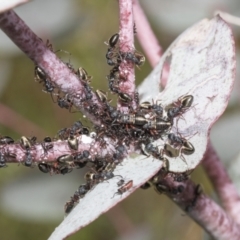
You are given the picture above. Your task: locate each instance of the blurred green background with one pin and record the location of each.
(31, 203)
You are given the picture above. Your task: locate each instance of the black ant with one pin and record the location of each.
(6, 140)
(180, 106)
(2, 161)
(47, 145)
(27, 143)
(41, 76)
(73, 142)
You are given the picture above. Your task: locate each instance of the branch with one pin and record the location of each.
(204, 202)
(226, 191)
(149, 42)
(62, 76)
(199, 207)
(126, 45)
(58, 148)
(146, 36)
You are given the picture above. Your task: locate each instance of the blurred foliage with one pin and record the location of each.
(84, 40)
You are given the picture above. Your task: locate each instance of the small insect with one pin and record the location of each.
(144, 151)
(174, 152)
(133, 119)
(111, 60)
(176, 190)
(46, 144)
(140, 120)
(119, 153)
(158, 109)
(137, 58)
(83, 189)
(76, 128)
(113, 40)
(134, 29)
(69, 206)
(65, 102)
(158, 124)
(197, 192)
(41, 76)
(186, 101)
(26, 143)
(6, 140)
(181, 177)
(10, 155)
(171, 151)
(174, 139)
(120, 149)
(114, 73)
(80, 159)
(2, 161)
(65, 169)
(67, 158)
(101, 95)
(111, 55)
(174, 112)
(120, 182)
(72, 203)
(160, 188)
(114, 85)
(146, 185)
(80, 164)
(73, 142)
(83, 75)
(49, 45)
(44, 167)
(124, 188)
(185, 146)
(107, 174)
(63, 134)
(88, 93)
(28, 158)
(85, 131)
(124, 97)
(127, 118)
(70, 66)
(154, 151)
(145, 105)
(100, 164)
(180, 106)
(49, 87)
(92, 177)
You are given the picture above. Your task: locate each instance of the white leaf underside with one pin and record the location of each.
(6, 5)
(203, 65)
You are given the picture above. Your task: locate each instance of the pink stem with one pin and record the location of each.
(148, 41)
(200, 208)
(15, 153)
(61, 75)
(227, 192)
(209, 214)
(146, 36)
(126, 45)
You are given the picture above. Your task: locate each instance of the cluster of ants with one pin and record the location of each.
(138, 127)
